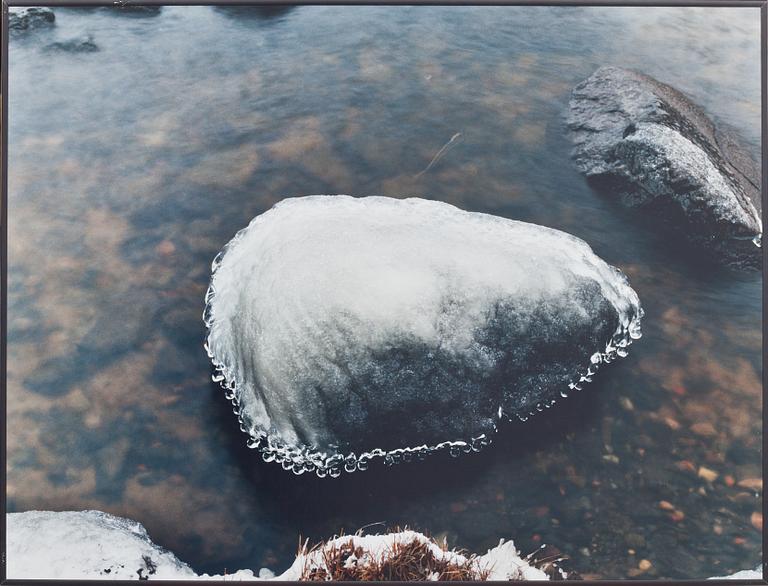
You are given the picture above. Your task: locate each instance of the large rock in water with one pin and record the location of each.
(649, 144)
(349, 328)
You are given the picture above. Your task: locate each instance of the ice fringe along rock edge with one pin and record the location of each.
(301, 459)
(92, 545)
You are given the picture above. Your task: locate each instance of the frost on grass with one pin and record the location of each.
(351, 328)
(408, 555)
(88, 545)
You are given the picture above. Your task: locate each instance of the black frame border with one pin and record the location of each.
(4, 42)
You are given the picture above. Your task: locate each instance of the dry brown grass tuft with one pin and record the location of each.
(402, 562)
(342, 560)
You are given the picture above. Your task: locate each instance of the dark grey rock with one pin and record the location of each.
(258, 13)
(135, 10)
(76, 45)
(28, 19)
(646, 143)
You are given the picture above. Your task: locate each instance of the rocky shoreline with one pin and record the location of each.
(74, 545)
(86, 545)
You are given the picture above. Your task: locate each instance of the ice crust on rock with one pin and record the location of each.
(351, 328)
(72, 545)
(93, 545)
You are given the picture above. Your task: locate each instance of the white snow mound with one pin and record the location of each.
(72, 545)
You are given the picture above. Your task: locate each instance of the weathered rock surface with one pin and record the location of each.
(350, 328)
(28, 19)
(648, 144)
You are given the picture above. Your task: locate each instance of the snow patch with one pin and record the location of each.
(756, 574)
(95, 545)
(89, 544)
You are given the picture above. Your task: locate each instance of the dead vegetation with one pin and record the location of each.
(401, 562)
(343, 560)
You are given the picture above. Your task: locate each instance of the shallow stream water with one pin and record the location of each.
(130, 167)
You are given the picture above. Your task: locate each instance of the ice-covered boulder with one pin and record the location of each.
(647, 143)
(73, 545)
(350, 328)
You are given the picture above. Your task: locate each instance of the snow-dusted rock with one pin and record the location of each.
(350, 328)
(74, 545)
(648, 144)
(756, 574)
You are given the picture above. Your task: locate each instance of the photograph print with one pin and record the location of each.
(382, 292)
